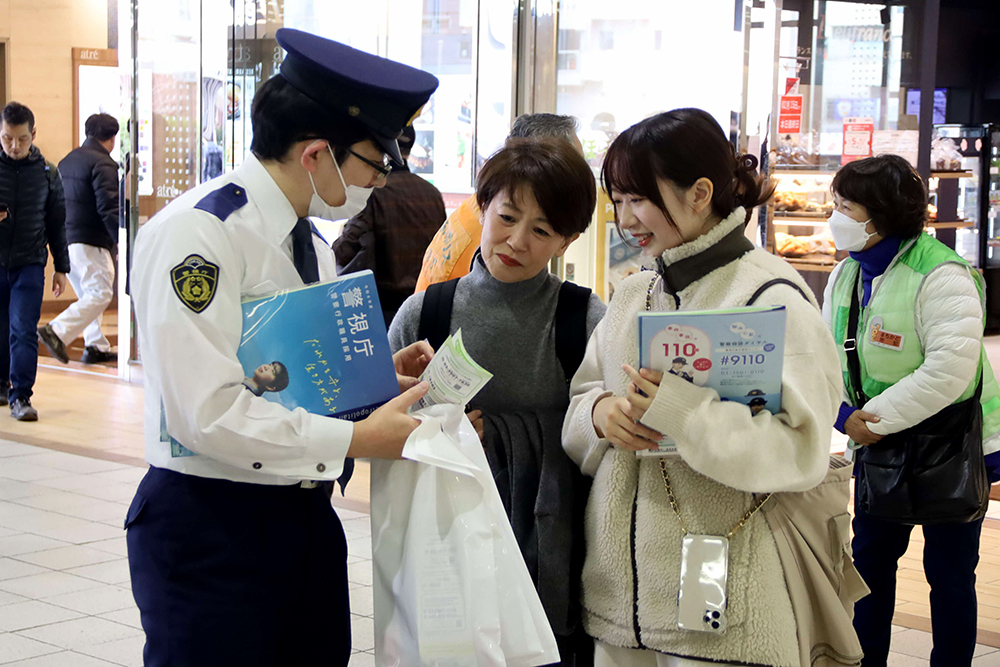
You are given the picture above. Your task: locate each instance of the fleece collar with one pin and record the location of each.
(694, 260)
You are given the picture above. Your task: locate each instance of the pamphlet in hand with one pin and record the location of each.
(453, 375)
(322, 347)
(739, 353)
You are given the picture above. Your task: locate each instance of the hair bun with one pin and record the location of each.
(746, 162)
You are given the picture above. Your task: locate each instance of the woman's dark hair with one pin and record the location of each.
(282, 116)
(557, 174)
(280, 377)
(101, 126)
(682, 146)
(16, 113)
(890, 189)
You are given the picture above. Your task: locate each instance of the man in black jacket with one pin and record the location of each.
(90, 180)
(32, 215)
(391, 234)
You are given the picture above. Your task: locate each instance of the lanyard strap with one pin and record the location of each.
(758, 503)
(851, 346)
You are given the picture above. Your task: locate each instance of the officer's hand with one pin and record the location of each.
(3, 215)
(857, 428)
(382, 434)
(58, 284)
(410, 362)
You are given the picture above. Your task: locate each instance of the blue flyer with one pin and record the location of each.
(323, 348)
(739, 353)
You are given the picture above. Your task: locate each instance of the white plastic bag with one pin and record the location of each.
(450, 586)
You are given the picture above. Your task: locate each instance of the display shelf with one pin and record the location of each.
(961, 224)
(822, 263)
(953, 174)
(809, 170)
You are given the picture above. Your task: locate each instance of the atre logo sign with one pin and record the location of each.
(90, 54)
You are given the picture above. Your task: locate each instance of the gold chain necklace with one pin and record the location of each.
(663, 466)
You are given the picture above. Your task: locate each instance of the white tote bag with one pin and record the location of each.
(450, 586)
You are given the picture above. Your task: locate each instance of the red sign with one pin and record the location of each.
(790, 105)
(792, 86)
(789, 124)
(857, 139)
(790, 114)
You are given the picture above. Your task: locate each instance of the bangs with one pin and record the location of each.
(628, 169)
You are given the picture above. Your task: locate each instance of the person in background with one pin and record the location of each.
(90, 182)
(683, 195)
(930, 303)
(32, 216)
(537, 196)
(390, 235)
(451, 250)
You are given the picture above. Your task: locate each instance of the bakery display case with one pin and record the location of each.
(798, 214)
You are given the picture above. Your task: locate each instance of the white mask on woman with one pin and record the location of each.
(357, 198)
(848, 233)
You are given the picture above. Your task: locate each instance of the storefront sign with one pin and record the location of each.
(857, 139)
(790, 114)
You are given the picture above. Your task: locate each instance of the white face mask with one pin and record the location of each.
(848, 233)
(357, 198)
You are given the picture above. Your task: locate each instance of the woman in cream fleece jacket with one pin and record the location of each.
(683, 195)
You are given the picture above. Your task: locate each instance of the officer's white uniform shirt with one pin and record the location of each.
(189, 358)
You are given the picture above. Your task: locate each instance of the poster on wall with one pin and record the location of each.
(857, 139)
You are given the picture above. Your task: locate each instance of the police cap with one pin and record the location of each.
(381, 94)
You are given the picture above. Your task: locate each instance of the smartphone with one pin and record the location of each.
(701, 599)
(4, 209)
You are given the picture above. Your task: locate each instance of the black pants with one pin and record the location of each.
(226, 573)
(951, 552)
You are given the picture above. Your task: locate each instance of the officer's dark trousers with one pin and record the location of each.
(951, 552)
(237, 574)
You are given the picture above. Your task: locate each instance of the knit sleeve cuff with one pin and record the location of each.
(673, 405)
(845, 412)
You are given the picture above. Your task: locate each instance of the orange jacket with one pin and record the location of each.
(451, 250)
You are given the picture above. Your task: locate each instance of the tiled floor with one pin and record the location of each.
(64, 581)
(65, 598)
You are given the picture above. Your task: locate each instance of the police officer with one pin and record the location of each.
(236, 556)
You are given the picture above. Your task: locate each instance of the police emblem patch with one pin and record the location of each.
(194, 281)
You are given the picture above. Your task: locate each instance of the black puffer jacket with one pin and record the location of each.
(90, 180)
(32, 190)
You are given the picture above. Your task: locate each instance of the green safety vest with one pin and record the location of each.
(888, 346)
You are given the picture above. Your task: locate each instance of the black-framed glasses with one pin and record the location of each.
(383, 169)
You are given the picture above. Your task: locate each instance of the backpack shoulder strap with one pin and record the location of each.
(771, 283)
(435, 314)
(571, 326)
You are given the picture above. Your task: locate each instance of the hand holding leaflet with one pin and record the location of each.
(454, 376)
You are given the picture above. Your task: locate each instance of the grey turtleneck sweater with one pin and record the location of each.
(509, 329)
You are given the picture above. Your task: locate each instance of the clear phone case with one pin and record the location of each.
(701, 599)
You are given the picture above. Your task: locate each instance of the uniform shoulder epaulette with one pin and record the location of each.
(223, 202)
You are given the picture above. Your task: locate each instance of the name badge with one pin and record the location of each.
(886, 339)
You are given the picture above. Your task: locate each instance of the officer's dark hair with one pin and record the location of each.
(281, 116)
(280, 377)
(101, 126)
(537, 125)
(406, 141)
(16, 113)
(890, 189)
(557, 174)
(681, 147)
